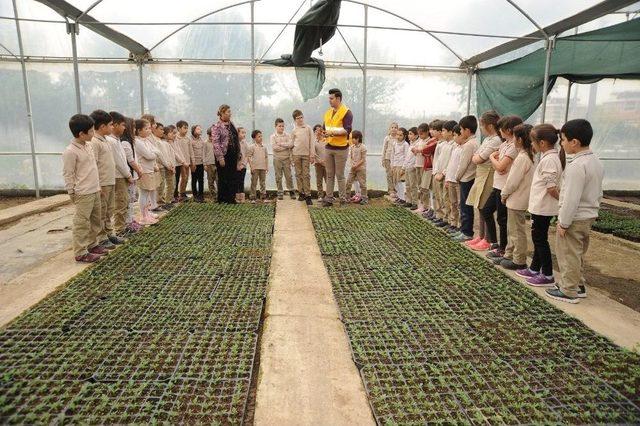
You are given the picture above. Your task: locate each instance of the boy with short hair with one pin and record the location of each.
(580, 195)
(123, 173)
(466, 174)
(82, 182)
(435, 129)
(259, 164)
(165, 166)
(446, 147)
(181, 145)
(209, 162)
(319, 150)
(358, 172)
(103, 154)
(174, 155)
(451, 184)
(303, 155)
(282, 147)
(428, 151)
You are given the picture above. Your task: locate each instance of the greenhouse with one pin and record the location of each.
(493, 151)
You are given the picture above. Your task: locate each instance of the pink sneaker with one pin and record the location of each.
(355, 199)
(482, 245)
(153, 215)
(420, 210)
(473, 242)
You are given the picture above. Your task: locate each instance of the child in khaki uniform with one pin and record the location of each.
(451, 184)
(446, 146)
(319, 148)
(124, 177)
(358, 172)
(196, 155)
(259, 163)
(580, 197)
(182, 172)
(303, 155)
(515, 195)
(243, 162)
(420, 144)
(107, 173)
(82, 182)
(465, 175)
(209, 163)
(282, 146)
(175, 158)
(165, 168)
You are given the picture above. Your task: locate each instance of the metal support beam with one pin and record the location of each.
(253, 68)
(470, 72)
(364, 72)
(73, 29)
(141, 78)
(27, 96)
(545, 86)
(566, 107)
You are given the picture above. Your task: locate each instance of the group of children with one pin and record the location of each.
(480, 192)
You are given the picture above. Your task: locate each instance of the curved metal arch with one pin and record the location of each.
(198, 19)
(529, 18)
(89, 9)
(412, 23)
(9, 51)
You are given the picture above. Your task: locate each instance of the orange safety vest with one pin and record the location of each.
(335, 120)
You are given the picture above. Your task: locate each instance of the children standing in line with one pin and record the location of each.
(259, 162)
(543, 204)
(319, 149)
(82, 182)
(387, 155)
(182, 145)
(411, 171)
(282, 147)
(501, 161)
(451, 184)
(127, 141)
(209, 162)
(107, 174)
(242, 164)
(580, 198)
(515, 195)
(400, 148)
(446, 146)
(483, 184)
(123, 174)
(358, 172)
(465, 175)
(196, 156)
(303, 155)
(427, 171)
(146, 154)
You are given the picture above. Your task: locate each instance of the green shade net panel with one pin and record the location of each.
(516, 86)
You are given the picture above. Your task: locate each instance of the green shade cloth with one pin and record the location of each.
(314, 29)
(310, 75)
(516, 86)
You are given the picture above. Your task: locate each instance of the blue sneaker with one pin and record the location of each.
(462, 238)
(557, 294)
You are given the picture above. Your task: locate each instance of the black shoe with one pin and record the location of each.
(114, 239)
(168, 206)
(508, 264)
(292, 194)
(582, 292)
(438, 222)
(327, 204)
(302, 197)
(308, 200)
(158, 209)
(280, 197)
(443, 224)
(495, 253)
(413, 207)
(107, 245)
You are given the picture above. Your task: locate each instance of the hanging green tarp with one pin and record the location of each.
(516, 87)
(313, 30)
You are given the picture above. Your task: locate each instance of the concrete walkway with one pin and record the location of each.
(307, 375)
(34, 207)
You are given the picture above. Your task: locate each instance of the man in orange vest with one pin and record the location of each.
(338, 122)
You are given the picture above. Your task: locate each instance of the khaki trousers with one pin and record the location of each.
(212, 176)
(258, 175)
(396, 175)
(359, 176)
(303, 175)
(121, 204)
(107, 205)
(516, 249)
(387, 168)
(170, 184)
(161, 186)
(321, 175)
(87, 222)
(283, 166)
(438, 198)
(412, 185)
(185, 172)
(570, 251)
(335, 161)
(454, 199)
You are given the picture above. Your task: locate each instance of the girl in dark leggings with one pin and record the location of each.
(501, 161)
(543, 204)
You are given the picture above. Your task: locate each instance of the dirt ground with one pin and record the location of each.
(6, 202)
(626, 198)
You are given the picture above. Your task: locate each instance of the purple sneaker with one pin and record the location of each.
(526, 273)
(541, 281)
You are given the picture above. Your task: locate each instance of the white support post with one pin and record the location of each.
(253, 68)
(364, 73)
(141, 78)
(566, 107)
(73, 29)
(470, 72)
(545, 86)
(27, 96)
